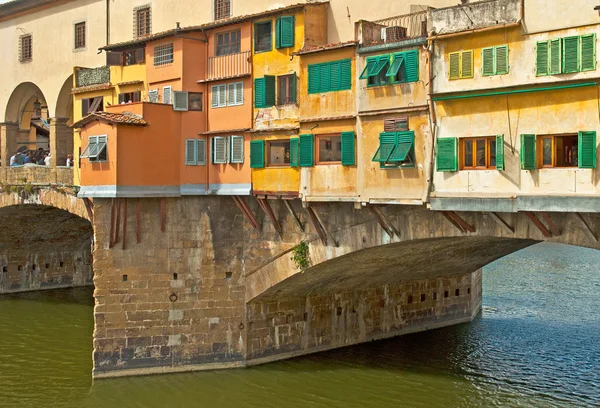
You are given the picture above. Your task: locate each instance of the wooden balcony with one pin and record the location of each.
(229, 66)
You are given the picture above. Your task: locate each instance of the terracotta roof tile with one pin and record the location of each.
(118, 118)
(318, 48)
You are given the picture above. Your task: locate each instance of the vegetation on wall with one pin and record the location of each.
(300, 257)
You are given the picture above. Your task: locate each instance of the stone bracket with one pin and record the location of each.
(264, 204)
(387, 225)
(534, 219)
(241, 204)
(553, 227)
(320, 227)
(588, 230)
(505, 226)
(293, 214)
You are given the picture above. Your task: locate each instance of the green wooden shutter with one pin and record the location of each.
(501, 59)
(334, 76)
(259, 93)
(306, 150)
(345, 75)
(466, 64)
(293, 88)
(447, 154)
(371, 62)
(285, 32)
(454, 63)
(294, 155)
(571, 56)
(528, 155)
(555, 56)
(500, 152)
(324, 77)
(348, 148)
(411, 65)
(269, 90)
(541, 58)
(588, 52)
(396, 65)
(278, 33)
(487, 58)
(314, 78)
(257, 154)
(587, 150)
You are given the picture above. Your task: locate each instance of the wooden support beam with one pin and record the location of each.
(89, 206)
(505, 226)
(138, 233)
(162, 215)
(451, 221)
(381, 215)
(264, 204)
(118, 222)
(532, 217)
(318, 227)
(460, 221)
(124, 223)
(586, 227)
(325, 229)
(293, 214)
(553, 227)
(241, 204)
(113, 215)
(381, 221)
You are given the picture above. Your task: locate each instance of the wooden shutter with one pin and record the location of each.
(411, 65)
(324, 78)
(231, 94)
(334, 76)
(85, 107)
(555, 56)
(239, 93)
(345, 75)
(293, 88)
(219, 150)
(571, 61)
(222, 95)
(306, 150)
(588, 52)
(501, 60)
(447, 154)
(201, 151)
(396, 124)
(114, 58)
(180, 99)
(294, 154)
(541, 58)
(487, 61)
(285, 32)
(528, 155)
(191, 152)
(500, 152)
(269, 90)
(466, 64)
(454, 64)
(257, 154)
(314, 80)
(167, 95)
(140, 55)
(153, 96)
(259, 93)
(348, 149)
(122, 98)
(236, 147)
(587, 150)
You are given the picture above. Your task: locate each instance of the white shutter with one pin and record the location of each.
(222, 95)
(239, 97)
(201, 152)
(153, 96)
(180, 99)
(219, 150)
(190, 152)
(214, 96)
(167, 95)
(231, 95)
(236, 149)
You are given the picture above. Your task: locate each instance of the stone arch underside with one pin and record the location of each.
(19, 108)
(47, 197)
(64, 104)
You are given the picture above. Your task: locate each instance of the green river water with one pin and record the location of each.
(535, 344)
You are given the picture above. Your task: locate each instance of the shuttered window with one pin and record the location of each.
(460, 64)
(195, 152)
(284, 29)
(167, 95)
(257, 154)
(306, 150)
(96, 150)
(330, 76)
(294, 153)
(494, 60)
(219, 150)
(396, 124)
(571, 54)
(264, 92)
(236, 149)
(235, 95)
(447, 154)
(566, 55)
(348, 149)
(500, 152)
(528, 154)
(397, 68)
(286, 89)
(587, 150)
(396, 149)
(180, 101)
(153, 96)
(218, 96)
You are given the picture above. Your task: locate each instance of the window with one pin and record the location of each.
(153, 96)
(263, 36)
(228, 43)
(195, 101)
(26, 48)
(494, 60)
(478, 153)
(96, 150)
(180, 101)
(279, 153)
(91, 105)
(286, 85)
(390, 69)
(129, 97)
(163, 54)
(218, 95)
(219, 150)
(264, 92)
(566, 55)
(396, 124)
(284, 32)
(167, 95)
(575, 150)
(559, 151)
(236, 149)
(375, 71)
(195, 152)
(132, 57)
(142, 21)
(460, 64)
(396, 149)
(235, 94)
(222, 9)
(330, 76)
(80, 35)
(329, 149)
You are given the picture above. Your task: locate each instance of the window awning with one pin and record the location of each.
(382, 155)
(395, 67)
(96, 150)
(85, 153)
(368, 68)
(381, 64)
(401, 152)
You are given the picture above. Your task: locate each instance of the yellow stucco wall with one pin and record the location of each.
(275, 179)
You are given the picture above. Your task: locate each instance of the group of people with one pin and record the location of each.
(40, 157)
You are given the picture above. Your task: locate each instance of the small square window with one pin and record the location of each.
(329, 149)
(143, 21)
(263, 36)
(163, 54)
(26, 48)
(286, 85)
(80, 35)
(195, 100)
(222, 9)
(279, 153)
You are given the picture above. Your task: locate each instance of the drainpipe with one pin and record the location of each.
(107, 22)
(208, 149)
(432, 117)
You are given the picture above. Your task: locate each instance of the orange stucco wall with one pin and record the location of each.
(231, 117)
(245, 37)
(103, 173)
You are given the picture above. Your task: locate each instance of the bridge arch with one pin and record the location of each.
(20, 105)
(59, 198)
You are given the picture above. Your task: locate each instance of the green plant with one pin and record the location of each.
(28, 189)
(300, 257)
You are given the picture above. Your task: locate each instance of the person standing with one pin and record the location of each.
(47, 159)
(13, 159)
(19, 160)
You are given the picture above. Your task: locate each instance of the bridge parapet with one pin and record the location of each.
(38, 175)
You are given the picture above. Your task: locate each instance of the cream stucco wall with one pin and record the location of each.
(542, 15)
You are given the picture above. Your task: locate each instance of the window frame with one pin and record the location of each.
(213, 150)
(196, 145)
(229, 44)
(22, 56)
(318, 138)
(165, 59)
(146, 12)
(268, 153)
(77, 38)
(190, 94)
(92, 142)
(256, 39)
(290, 83)
(488, 151)
(220, 104)
(228, 91)
(540, 146)
(170, 88)
(219, 9)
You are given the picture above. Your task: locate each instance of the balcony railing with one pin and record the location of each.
(37, 175)
(394, 29)
(229, 66)
(92, 76)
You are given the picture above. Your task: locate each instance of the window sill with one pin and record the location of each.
(278, 166)
(333, 163)
(218, 107)
(81, 49)
(263, 51)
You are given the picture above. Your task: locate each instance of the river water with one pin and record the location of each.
(536, 344)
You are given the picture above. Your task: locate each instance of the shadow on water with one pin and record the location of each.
(81, 295)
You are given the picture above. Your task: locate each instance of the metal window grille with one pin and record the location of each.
(25, 48)
(228, 43)
(222, 9)
(285, 94)
(163, 54)
(80, 35)
(142, 24)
